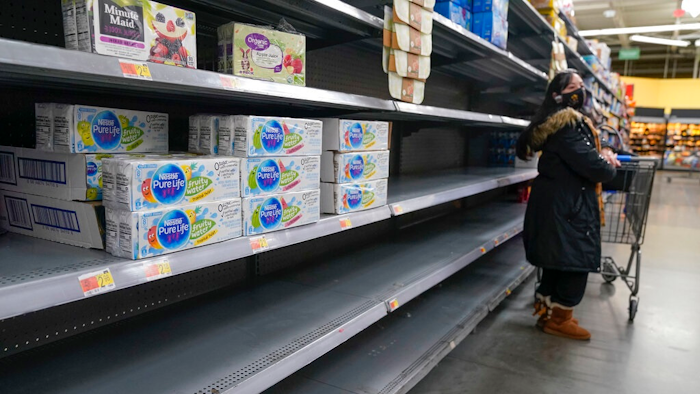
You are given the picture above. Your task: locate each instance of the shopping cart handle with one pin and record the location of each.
(624, 158)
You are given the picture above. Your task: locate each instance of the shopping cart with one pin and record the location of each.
(627, 199)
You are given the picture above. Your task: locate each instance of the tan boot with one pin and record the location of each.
(561, 324)
(543, 307)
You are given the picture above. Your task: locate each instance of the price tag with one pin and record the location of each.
(393, 304)
(157, 270)
(135, 70)
(96, 282)
(495, 242)
(259, 244)
(508, 291)
(483, 250)
(228, 82)
(398, 210)
(345, 223)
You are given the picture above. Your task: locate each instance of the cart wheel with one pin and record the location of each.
(609, 268)
(634, 304)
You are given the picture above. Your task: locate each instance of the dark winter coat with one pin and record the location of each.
(563, 219)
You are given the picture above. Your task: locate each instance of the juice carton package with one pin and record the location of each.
(345, 135)
(353, 197)
(354, 167)
(208, 134)
(70, 29)
(257, 136)
(153, 233)
(280, 211)
(193, 135)
(262, 176)
(270, 55)
(43, 120)
(150, 183)
(227, 133)
(138, 30)
(87, 129)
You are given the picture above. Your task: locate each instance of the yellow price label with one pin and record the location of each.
(135, 70)
(157, 270)
(398, 210)
(345, 223)
(96, 282)
(393, 304)
(259, 244)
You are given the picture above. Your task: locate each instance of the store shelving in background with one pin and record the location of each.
(648, 132)
(683, 141)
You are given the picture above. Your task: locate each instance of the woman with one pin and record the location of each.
(563, 218)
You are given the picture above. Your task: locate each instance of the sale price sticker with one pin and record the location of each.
(97, 282)
(398, 210)
(259, 244)
(135, 70)
(157, 270)
(345, 223)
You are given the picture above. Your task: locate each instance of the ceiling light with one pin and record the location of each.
(640, 29)
(697, 43)
(692, 7)
(660, 41)
(609, 13)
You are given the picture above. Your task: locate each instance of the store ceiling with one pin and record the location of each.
(653, 62)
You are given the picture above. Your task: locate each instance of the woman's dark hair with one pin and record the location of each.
(547, 108)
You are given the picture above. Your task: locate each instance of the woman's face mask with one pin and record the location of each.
(574, 99)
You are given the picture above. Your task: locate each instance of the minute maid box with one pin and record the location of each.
(354, 167)
(261, 176)
(280, 211)
(153, 233)
(344, 135)
(257, 136)
(156, 183)
(353, 197)
(86, 129)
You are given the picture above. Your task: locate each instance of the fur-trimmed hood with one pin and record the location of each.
(537, 137)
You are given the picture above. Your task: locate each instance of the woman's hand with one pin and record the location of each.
(610, 157)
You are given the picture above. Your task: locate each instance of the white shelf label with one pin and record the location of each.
(157, 270)
(398, 210)
(345, 223)
(97, 282)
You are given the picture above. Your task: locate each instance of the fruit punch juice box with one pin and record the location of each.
(270, 55)
(280, 211)
(354, 167)
(153, 233)
(157, 183)
(353, 197)
(257, 136)
(345, 135)
(261, 176)
(138, 30)
(87, 129)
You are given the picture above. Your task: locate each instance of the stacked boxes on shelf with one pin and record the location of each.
(502, 148)
(140, 30)
(490, 21)
(159, 205)
(280, 171)
(408, 44)
(355, 165)
(458, 11)
(262, 53)
(53, 192)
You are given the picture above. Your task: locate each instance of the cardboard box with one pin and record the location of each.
(345, 135)
(280, 211)
(352, 197)
(257, 136)
(136, 235)
(65, 176)
(265, 176)
(354, 167)
(69, 222)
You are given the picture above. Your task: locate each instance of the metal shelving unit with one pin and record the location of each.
(417, 336)
(247, 340)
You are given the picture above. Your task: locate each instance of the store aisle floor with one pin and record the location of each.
(659, 353)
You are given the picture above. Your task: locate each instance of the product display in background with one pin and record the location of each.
(136, 235)
(64, 176)
(682, 146)
(261, 52)
(502, 148)
(280, 211)
(151, 184)
(345, 135)
(87, 129)
(204, 132)
(490, 21)
(257, 136)
(132, 29)
(354, 167)
(648, 139)
(69, 222)
(456, 11)
(352, 197)
(271, 175)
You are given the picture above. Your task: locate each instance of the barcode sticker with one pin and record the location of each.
(42, 170)
(157, 270)
(135, 70)
(56, 218)
(96, 282)
(259, 244)
(7, 168)
(18, 213)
